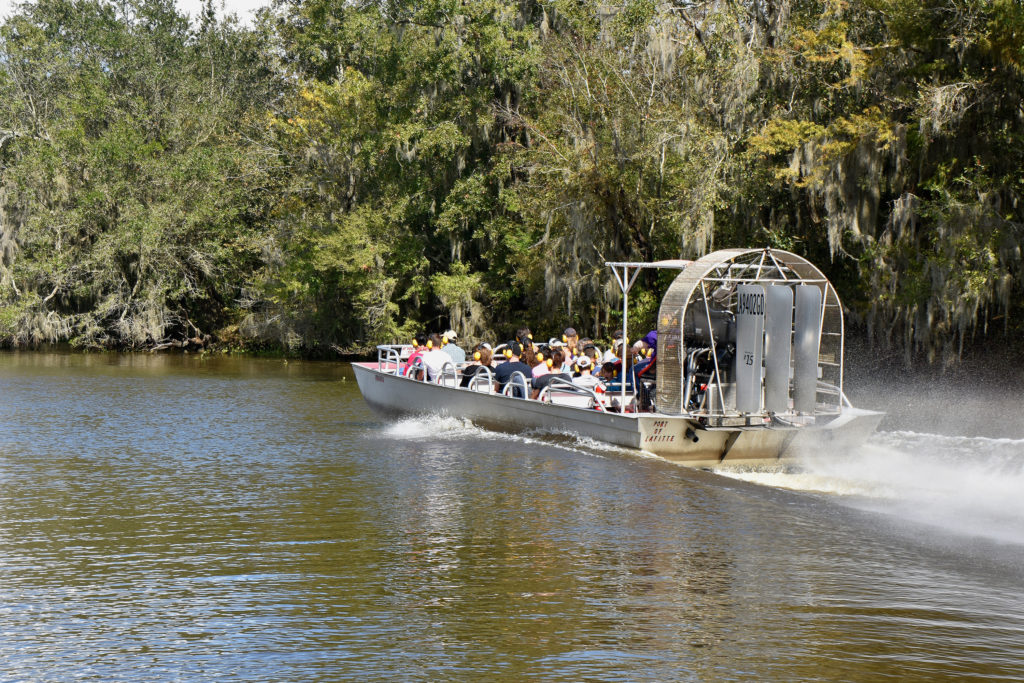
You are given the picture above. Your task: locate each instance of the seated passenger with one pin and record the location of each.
(611, 373)
(644, 371)
(571, 341)
(538, 366)
(608, 371)
(418, 349)
(435, 358)
(544, 379)
(586, 378)
(650, 340)
(504, 371)
(481, 359)
(614, 352)
(524, 337)
(450, 347)
(647, 352)
(568, 365)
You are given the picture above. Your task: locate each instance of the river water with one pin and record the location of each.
(178, 518)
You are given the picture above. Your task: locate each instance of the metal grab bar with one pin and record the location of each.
(559, 384)
(510, 385)
(448, 371)
(418, 365)
(388, 355)
(477, 376)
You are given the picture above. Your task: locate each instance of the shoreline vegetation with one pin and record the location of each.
(339, 175)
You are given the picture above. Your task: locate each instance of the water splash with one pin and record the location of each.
(971, 485)
(439, 426)
(449, 428)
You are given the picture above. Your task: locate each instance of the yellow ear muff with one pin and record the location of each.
(430, 343)
(414, 344)
(565, 340)
(508, 353)
(550, 362)
(530, 336)
(476, 356)
(540, 356)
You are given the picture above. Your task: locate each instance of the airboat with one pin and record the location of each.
(749, 371)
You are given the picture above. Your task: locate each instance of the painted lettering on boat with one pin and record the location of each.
(750, 303)
(657, 436)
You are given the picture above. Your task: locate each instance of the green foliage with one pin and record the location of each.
(349, 173)
(128, 188)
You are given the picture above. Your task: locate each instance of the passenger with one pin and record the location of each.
(419, 347)
(614, 351)
(504, 371)
(482, 358)
(538, 366)
(593, 353)
(452, 349)
(644, 372)
(571, 340)
(567, 364)
(608, 372)
(524, 337)
(587, 342)
(586, 378)
(651, 340)
(435, 358)
(542, 380)
(644, 368)
(638, 351)
(612, 374)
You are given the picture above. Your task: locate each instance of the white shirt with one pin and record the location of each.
(433, 361)
(588, 381)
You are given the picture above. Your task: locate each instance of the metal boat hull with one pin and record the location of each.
(663, 435)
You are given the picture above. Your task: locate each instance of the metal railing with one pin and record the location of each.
(564, 386)
(389, 357)
(389, 360)
(516, 380)
(483, 374)
(449, 376)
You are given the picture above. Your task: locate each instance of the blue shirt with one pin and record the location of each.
(503, 372)
(457, 354)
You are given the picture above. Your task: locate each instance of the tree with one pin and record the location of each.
(131, 178)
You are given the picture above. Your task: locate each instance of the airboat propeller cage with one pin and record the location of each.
(772, 326)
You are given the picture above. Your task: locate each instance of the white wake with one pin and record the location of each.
(972, 485)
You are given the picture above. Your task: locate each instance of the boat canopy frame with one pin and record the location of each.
(712, 285)
(626, 282)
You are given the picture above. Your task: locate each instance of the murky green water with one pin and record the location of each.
(168, 518)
